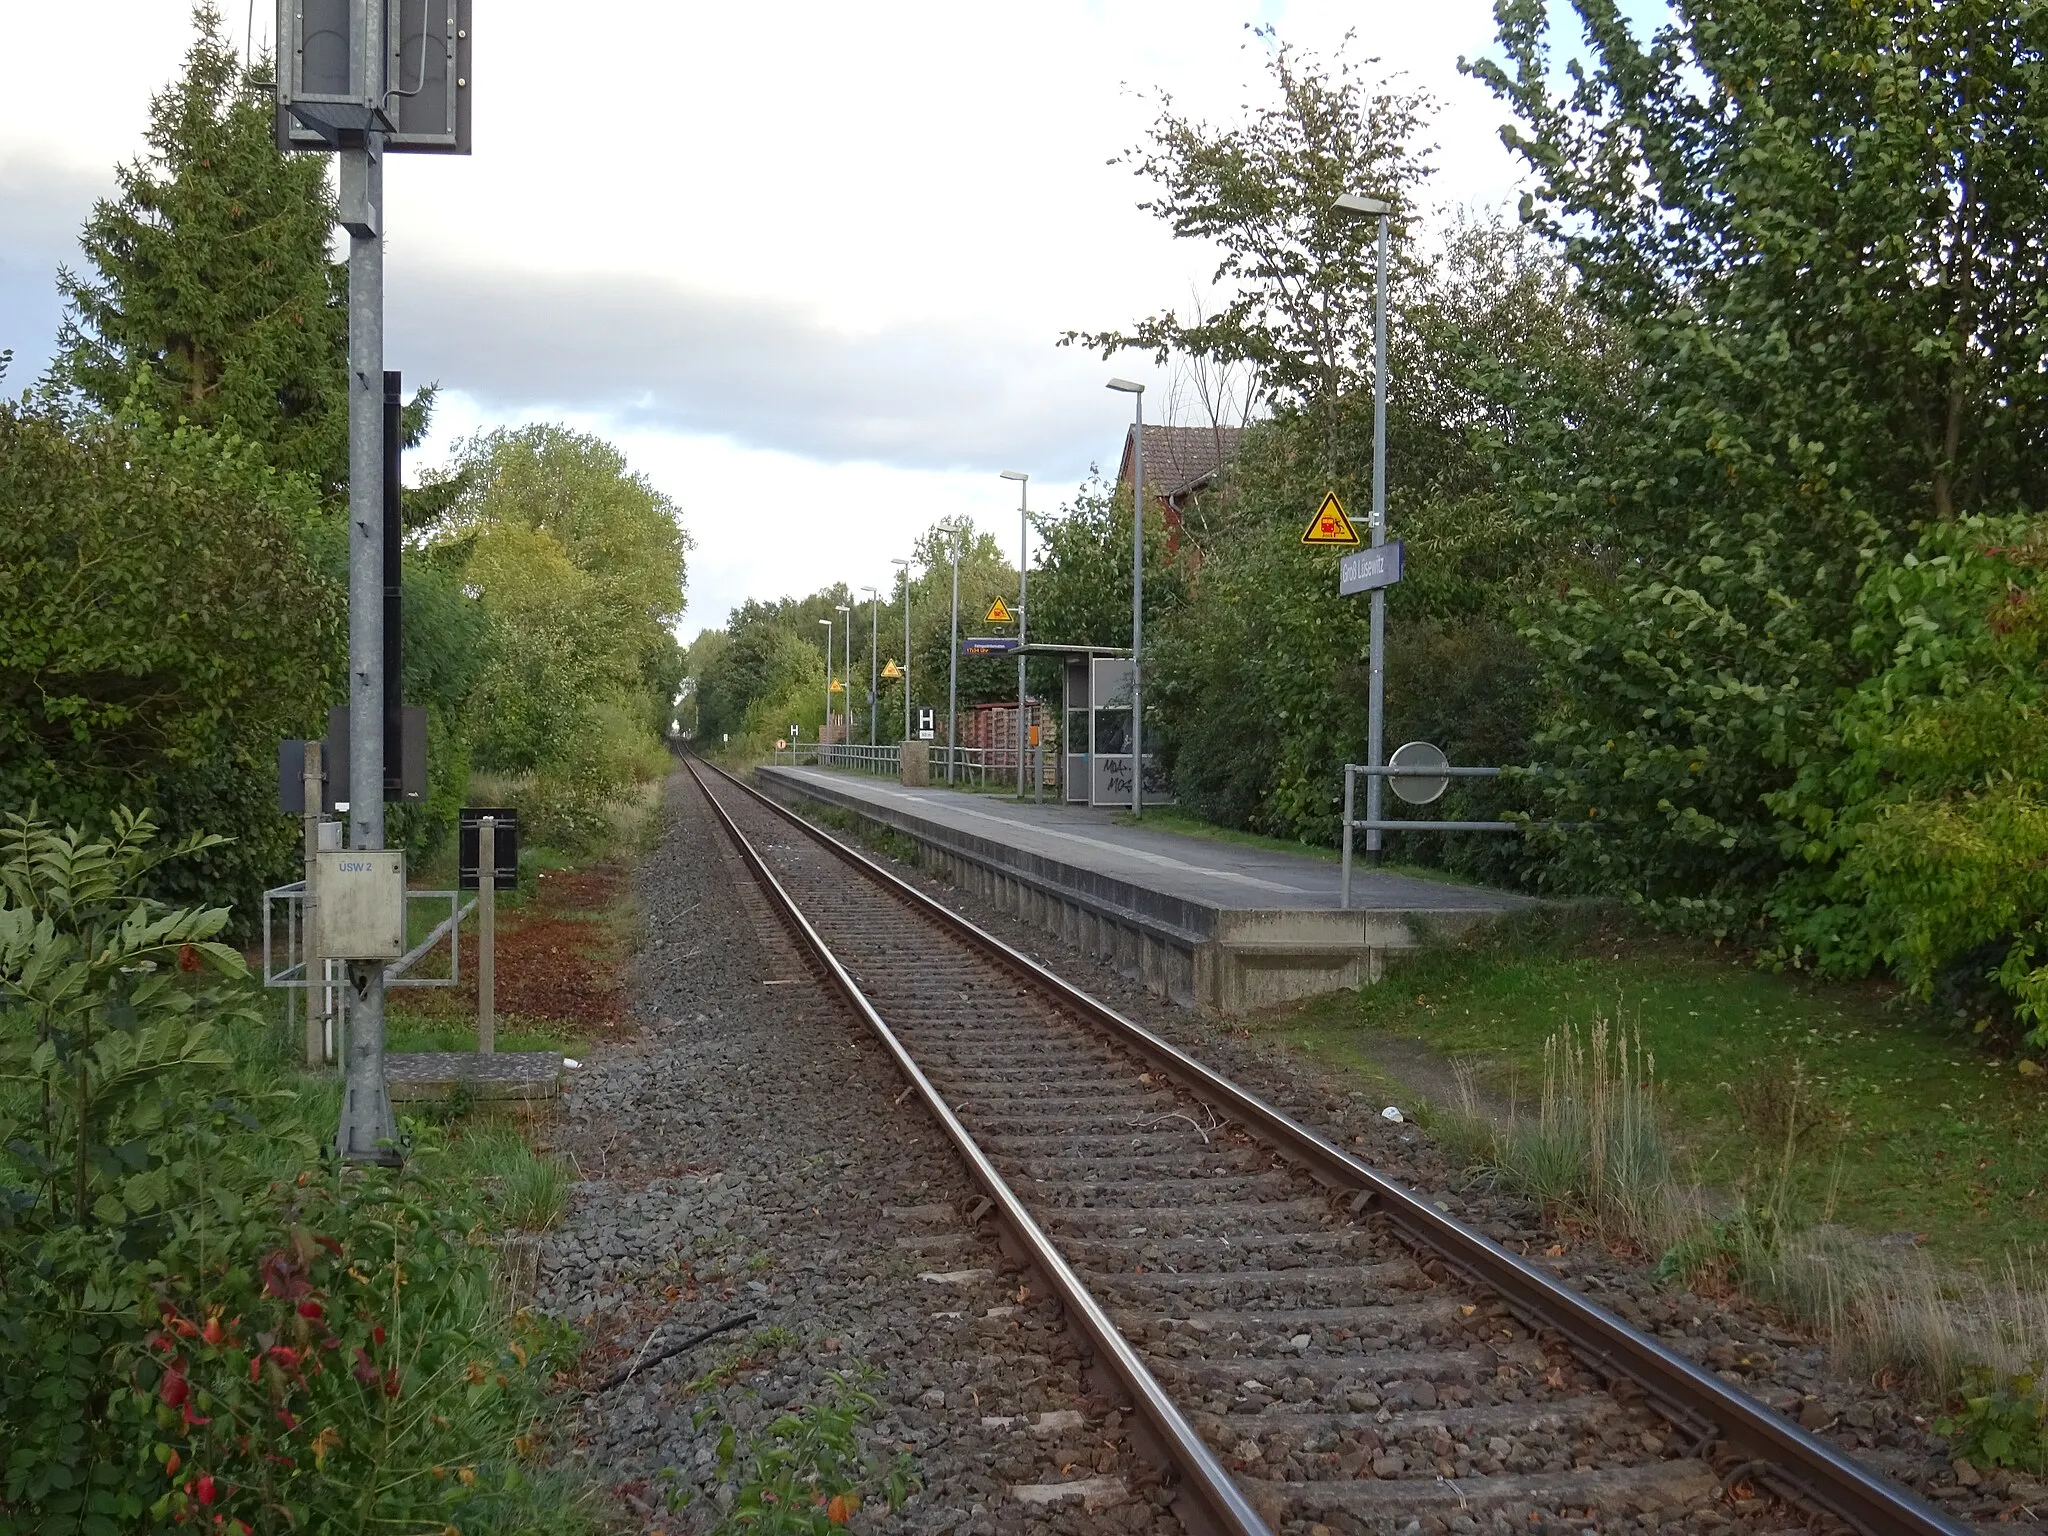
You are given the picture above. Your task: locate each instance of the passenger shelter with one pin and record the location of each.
(1095, 758)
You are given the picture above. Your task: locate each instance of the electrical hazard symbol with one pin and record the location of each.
(999, 612)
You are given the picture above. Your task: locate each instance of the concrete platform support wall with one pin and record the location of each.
(1227, 962)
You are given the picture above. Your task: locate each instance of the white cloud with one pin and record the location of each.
(806, 261)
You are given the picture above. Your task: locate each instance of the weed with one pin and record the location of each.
(806, 1474)
(2000, 1423)
(1596, 1147)
(1782, 1108)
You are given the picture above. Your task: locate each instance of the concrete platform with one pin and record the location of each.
(421, 1075)
(1216, 925)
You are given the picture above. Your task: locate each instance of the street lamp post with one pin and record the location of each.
(1376, 692)
(847, 713)
(953, 672)
(1137, 394)
(825, 735)
(1023, 558)
(874, 663)
(907, 727)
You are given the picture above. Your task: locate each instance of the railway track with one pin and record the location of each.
(1305, 1342)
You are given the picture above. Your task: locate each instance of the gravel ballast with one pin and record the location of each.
(751, 1150)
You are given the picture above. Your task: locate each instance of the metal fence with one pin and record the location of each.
(975, 765)
(883, 760)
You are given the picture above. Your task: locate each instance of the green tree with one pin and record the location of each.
(1819, 228)
(984, 575)
(211, 296)
(161, 628)
(577, 563)
(1264, 192)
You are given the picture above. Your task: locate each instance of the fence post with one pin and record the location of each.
(487, 938)
(1350, 779)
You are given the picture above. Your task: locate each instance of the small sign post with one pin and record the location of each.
(487, 937)
(487, 861)
(309, 910)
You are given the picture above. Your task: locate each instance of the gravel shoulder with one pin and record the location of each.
(750, 1150)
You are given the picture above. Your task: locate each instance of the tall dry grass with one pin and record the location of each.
(1597, 1150)
(1596, 1147)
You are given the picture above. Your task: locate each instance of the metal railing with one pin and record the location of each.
(1353, 822)
(978, 765)
(883, 760)
(287, 965)
(288, 969)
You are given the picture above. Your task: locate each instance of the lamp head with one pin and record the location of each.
(1015, 474)
(1364, 207)
(1125, 386)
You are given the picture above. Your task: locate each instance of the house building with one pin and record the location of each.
(1180, 464)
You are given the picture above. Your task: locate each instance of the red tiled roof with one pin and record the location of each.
(1178, 458)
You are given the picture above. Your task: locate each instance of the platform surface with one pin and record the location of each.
(1203, 871)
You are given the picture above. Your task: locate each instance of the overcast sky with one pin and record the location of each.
(805, 263)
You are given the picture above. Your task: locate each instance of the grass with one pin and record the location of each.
(1597, 1150)
(1901, 1122)
(1596, 1144)
(528, 1189)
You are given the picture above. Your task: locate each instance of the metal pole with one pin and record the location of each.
(825, 735)
(1023, 578)
(953, 670)
(1377, 700)
(1138, 611)
(1350, 815)
(874, 667)
(848, 711)
(487, 936)
(368, 1131)
(908, 725)
(312, 779)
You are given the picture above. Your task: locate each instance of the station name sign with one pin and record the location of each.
(1367, 569)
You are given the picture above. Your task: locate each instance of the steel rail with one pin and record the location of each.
(1798, 1465)
(1226, 1510)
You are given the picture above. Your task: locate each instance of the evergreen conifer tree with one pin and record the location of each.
(214, 299)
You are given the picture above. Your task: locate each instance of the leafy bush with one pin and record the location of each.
(1927, 835)
(198, 1322)
(161, 627)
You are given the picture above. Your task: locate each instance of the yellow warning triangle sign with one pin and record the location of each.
(838, 686)
(999, 612)
(892, 670)
(1330, 526)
